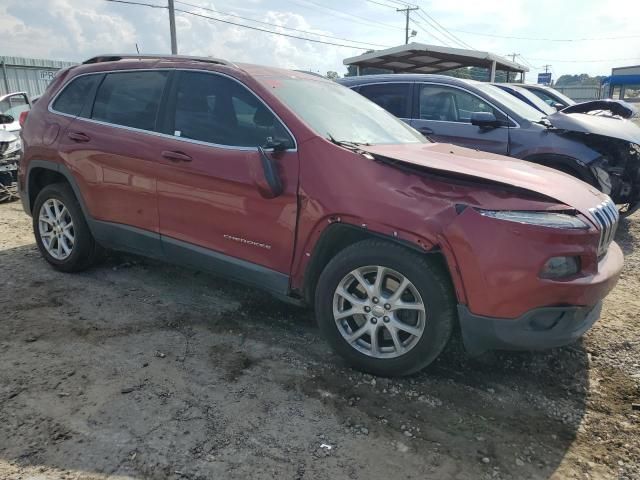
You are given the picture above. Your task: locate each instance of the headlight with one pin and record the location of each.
(560, 267)
(543, 219)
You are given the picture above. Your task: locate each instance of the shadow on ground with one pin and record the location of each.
(152, 371)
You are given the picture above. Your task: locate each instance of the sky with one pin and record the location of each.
(78, 29)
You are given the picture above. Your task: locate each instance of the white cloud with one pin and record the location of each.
(78, 29)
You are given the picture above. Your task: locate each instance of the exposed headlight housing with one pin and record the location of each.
(543, 219)
(14, 146)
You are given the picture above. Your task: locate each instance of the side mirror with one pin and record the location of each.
(265, 175)
(558, 106)
(6, 119)
(485, 120)
(277, 144)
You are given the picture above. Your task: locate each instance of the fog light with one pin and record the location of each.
(560, 267)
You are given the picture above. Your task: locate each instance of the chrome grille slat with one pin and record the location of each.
(607, 217)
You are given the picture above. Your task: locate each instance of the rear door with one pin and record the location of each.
(207, 194)
(112, 150)
(443, 114)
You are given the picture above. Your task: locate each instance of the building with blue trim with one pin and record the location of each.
(623, 84)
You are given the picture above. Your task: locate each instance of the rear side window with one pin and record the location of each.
(215, 109)
(75, 94)
(130, 99)
(395, 98)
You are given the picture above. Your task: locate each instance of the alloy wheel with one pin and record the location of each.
(379, 312)
(56, 230)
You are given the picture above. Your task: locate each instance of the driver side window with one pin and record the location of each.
(214, 109)
(449, 104)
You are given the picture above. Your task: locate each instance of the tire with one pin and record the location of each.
(429, 283)
(83, 250)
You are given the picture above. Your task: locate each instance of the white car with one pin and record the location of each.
(14, 104)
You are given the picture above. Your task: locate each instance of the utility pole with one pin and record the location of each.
(546, 68)
(407, 10)
(172, 28)
(513, 57)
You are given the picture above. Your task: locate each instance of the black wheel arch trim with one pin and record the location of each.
(326, 239)
(61, 169)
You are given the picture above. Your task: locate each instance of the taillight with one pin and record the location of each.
(23, 118)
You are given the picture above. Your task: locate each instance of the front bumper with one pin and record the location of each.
(540, 328)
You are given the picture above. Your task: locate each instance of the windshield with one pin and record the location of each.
(514, 104)
(537, 101)
(338, 113)
(560, 95)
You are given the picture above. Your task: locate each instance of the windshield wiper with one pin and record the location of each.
(347, 144)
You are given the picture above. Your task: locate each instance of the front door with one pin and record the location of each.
(443, 114)
(208, 201)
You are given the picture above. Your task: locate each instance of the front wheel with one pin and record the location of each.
(387, 310)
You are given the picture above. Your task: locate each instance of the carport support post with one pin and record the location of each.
(492, 75)
(4, 76)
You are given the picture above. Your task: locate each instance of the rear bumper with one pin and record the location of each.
(540, 328)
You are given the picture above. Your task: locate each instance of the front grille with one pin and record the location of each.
(606, 216)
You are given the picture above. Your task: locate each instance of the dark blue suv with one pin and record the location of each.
(603, 151)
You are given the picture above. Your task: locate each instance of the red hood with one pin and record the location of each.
(509, 171)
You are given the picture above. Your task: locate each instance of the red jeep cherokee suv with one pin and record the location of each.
(297, 185)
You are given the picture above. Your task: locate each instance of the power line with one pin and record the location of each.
(139, 3)
(359, 19)
(584, 61)
(427, 31)
(251, 27)
(444, 29)
(495, 35)
(268, 31)
(279, 26)
(382, 4)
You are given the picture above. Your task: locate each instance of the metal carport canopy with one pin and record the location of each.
(422, 58)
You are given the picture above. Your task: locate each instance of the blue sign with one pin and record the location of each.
(544, 78)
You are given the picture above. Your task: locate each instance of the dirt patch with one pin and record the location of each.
(137, 369)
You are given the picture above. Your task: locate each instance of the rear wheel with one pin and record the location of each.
(61, 231)
(385, 309)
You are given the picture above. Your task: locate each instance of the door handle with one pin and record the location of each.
(425, 130)
(176, 156)
(78, 137)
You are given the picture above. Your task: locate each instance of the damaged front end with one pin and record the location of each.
(617, 171)
(617, 141)
(10, 152)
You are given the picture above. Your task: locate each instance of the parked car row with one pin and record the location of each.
(602, 150)
(297, 185)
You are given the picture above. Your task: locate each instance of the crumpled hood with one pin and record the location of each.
(444, 158)
(6, 136)
(616, 107)
(596, 124)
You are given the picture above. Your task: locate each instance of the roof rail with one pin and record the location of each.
(114, 57)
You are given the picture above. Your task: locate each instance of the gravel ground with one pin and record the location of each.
(137, 369)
